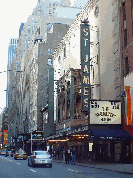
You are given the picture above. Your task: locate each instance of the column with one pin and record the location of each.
(65, 101)
(72, 97)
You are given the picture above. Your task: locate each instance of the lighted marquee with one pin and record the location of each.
(105, 112)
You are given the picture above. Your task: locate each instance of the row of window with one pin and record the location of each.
(14, 41)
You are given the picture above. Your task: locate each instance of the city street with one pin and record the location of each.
(10, 168)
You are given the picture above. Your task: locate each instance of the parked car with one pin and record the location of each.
(20, 154)
(3, 152)
(40, 157)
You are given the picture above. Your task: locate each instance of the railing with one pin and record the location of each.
(71, 122)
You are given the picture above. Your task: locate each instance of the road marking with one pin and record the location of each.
(18, 163)
(69, 169)
(10, 160)
(32, 170)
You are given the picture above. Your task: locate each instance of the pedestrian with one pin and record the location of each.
(66, 156)
(54, 154)
(69, 154)
(127, 155)
(63, 155)
(73, 156)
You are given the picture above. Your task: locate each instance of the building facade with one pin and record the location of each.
(105, 139)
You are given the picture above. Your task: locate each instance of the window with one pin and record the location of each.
(29, 31)
(127, 65)
(132, 8)
(49, 51)
(65, 52)
(48, 26)
(49, 61)
(124, 11)
(25, 36)
(125, 38)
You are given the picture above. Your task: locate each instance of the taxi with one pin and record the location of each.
(20, 154)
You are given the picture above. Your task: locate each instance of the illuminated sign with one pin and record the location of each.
(105, 112)
(5, 136)
(37, 135)
(129, 120)
(85, 66)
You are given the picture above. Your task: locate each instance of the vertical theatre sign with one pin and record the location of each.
(85, 66)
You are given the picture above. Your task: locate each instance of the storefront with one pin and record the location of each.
(109, 145)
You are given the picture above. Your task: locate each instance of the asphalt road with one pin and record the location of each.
(10, 168)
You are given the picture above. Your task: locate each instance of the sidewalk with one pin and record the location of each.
(123, 168)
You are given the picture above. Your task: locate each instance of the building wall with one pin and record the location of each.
(44, 54)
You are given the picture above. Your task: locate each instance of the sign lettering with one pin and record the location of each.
(85, 66)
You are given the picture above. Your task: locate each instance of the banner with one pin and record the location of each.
(128, 96)
(85, 66)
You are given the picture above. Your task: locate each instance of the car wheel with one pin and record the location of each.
(50, 165)
(14, 158)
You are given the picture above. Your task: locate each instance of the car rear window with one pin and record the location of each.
(41, 153)
(20, 152)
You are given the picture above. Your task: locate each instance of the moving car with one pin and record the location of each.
(12, 153)
(9, 152)
(40, 157)
(3, 152)
(6, 154)
(20, 154)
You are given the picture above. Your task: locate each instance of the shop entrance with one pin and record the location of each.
(102, 152)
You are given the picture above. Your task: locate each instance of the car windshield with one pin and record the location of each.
(41, 153)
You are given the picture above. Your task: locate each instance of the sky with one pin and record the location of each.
(12, 14)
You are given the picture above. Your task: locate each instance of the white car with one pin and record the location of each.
(3, 152)
(40, 157)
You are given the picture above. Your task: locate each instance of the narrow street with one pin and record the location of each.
(10, 168)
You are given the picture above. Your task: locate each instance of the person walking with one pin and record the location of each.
(73, 156)
(69, 155)
(66, 156)
(127, 155)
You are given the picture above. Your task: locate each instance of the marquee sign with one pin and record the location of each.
(85, 66)
(105, 112)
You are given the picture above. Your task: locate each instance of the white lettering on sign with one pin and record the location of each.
(86, 31)
(85, 41)
(86, 79)
(86, 58)
(86, 102)
(86, 91)
(86, 69)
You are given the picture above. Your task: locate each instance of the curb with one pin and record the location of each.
(98, 168)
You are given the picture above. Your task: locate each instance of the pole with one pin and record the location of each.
(31, 141)
(23, 143)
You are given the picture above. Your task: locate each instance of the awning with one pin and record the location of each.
(113, 134)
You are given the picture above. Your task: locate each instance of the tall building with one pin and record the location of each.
(11, 55)
(20, 29)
